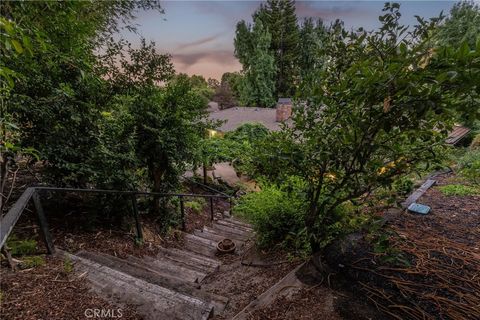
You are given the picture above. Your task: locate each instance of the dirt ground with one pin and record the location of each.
(242, 283)
(50, 292)
(431, 267)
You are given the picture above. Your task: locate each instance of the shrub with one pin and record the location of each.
(195, 205)
(470, 166)
(277, 213)
(459, 190)
(475, 144)
(403, 186)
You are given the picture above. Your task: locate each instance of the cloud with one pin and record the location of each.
(225, 57)
(198, 42)
(328, 11)
(210, 64)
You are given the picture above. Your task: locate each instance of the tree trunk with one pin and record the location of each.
(157, 173)
(205, 177)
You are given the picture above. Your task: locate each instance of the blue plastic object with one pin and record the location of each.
(419, 208)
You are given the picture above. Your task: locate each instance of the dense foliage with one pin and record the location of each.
(383, 104)
(277, 213)
(99, 111)
(296, 49)
(279, 18)
(237, 147)
(257, 87)
(462, 25)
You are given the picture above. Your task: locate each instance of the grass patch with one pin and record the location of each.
(196, 205)
(67, 265)
(32, 261)
(21, 247)
(459, 190)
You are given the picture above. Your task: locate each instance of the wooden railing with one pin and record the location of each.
(8, 221)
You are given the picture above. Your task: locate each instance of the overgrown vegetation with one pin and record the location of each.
(469, 165)
(381, 108)
(237, 147)
(98, 111)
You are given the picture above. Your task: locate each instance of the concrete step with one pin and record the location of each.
(190, 259)
(151, 300)
(199, 245)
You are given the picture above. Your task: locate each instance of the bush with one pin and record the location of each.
(277, 213)
(470, 166)
(195, 205)
(475, 144)
(403, 186)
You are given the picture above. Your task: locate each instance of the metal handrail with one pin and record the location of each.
(8, 221)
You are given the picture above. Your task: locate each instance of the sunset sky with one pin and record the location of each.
(199, 34)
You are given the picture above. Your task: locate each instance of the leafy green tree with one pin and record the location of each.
(463, 24)
(168, 124)
(382, 107)
(15, 42)
(258, 84)
(58, 102)
(279, 18)
(311, 54)
(227, 93)
(243, 44)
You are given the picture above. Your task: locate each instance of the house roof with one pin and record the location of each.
(240, 115)
(457, 134)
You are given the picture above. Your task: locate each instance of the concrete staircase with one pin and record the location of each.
(167, 286)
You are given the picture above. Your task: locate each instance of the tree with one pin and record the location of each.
(258, 84)
(243, 43)
(311, 54)
(462, 25)
(213, 83)
(57, 104)
(15, 43)
(382, 107)
(279, 18)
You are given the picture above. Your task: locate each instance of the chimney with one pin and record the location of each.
(284, 109)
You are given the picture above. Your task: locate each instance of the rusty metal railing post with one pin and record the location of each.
(138, 226)
(231, 206)
(47, 237)
(211, 209)
(182, 213)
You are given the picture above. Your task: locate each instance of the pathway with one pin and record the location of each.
(167, 286)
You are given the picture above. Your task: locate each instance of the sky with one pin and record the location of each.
(199, 34)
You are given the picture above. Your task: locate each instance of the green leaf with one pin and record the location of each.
(7, 26)
(403, 48)
(17, 45)
(464, 50)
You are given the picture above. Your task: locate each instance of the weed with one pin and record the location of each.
(67, 265)
(196, 206)
(32, 261)
(21, 247)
